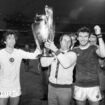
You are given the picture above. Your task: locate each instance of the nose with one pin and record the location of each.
(83, 38)
(66, 42)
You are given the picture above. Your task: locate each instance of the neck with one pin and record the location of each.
(84, 47)
(64, 50)
(9, 49)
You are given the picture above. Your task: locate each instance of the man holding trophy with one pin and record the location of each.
(61, 75)
(62, 61)
(43, 30)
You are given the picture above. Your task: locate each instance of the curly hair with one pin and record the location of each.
(84, 29)
(7, 33)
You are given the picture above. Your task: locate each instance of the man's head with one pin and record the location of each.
(65, 42)
(83, 36)
(10, 38)
(93, 39)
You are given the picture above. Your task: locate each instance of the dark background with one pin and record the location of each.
(69, 15)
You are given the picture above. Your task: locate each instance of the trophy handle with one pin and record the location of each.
(34, 34)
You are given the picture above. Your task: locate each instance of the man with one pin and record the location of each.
(87, 79)
(10, 60)
(93, 39)
(61, 75)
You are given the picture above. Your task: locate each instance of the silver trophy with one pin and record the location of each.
(43, 29)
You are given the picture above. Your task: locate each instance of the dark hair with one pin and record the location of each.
(7, 33)
(61, 37)
(84, 29)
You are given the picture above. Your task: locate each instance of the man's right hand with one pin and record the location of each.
(50, 45)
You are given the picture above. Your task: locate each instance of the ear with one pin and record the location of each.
(89, 39)
(4, 42)
(77, 38)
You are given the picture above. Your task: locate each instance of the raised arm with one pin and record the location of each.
(30, 55)
(101, 48)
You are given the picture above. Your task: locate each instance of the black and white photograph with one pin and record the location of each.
(52, 52)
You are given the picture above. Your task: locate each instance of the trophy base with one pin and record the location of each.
(46, 53)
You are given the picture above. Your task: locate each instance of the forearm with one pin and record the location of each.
(31, 55)
(101, 47)
(67, 60)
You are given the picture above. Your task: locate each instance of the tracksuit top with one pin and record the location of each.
(65, 71)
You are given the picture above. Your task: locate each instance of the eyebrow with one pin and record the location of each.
(67, 39)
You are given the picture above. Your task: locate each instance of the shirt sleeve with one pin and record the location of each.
(29, 55)
(68, 59)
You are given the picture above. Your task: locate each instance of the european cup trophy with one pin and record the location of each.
(43, 29)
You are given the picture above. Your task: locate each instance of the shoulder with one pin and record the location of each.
(75, 49)
(2, 50)
(18, 50)
(94, 47)
(72, 54)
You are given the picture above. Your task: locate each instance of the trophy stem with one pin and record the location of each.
(45, 52)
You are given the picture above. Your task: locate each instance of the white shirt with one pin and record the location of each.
(10, 69)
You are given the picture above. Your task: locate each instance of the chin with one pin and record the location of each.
(83, 44)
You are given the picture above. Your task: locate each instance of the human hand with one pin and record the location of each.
(39, 51)
(50, 45)
(97, 29)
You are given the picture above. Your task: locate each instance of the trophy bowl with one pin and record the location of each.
(43, 29)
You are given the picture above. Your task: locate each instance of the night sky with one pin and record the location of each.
(21, 13)
(75, 11)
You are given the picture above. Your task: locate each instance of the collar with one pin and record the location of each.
(84, 47)
(64, 51)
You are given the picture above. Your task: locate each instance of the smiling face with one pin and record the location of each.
(83, 38)
(65, 43)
